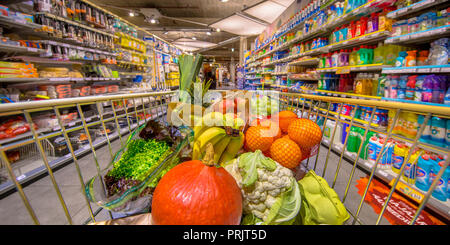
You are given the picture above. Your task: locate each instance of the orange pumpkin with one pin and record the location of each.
(197, 193)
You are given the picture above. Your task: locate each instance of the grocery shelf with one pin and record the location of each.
(8, 185)
(40, 60)
(74, 23)
(413, 8)
(7, 21)
(305, 62)
(417, 69)
(415, 102)
(347, 69)
(420, 36)
(388, 176)
(347, 95)
(19, 49)
(366, 39)
(56, 79)
(97, 51)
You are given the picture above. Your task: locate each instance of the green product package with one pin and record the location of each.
(320, 203)
(364, 148)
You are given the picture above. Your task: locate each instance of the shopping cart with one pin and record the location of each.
(355, 181)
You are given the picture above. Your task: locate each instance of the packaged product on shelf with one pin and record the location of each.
(14, 126)
(441, 190)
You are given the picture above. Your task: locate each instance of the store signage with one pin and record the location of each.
(399, 211)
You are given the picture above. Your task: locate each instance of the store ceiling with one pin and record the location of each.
(181, 21)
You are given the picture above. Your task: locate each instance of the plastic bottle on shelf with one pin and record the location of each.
(334, 59)
(423, 172)
(402, 87)
(436, 94)
(401, 59)
(410, 59)
(409, 173)
(378, 56)
(381, 88)
(440, 191)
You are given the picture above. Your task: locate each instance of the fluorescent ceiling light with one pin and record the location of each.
(218, 30)
(239, 25)
(285, 3)
(186, 48)
(191, 43)
(131, 14)
(267, 11)
(153, 21)
(223, 1)
(194, 38)
(208, 33)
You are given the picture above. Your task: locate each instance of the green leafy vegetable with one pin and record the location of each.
(189, 67)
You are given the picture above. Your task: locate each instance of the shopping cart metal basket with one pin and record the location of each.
(357, 182)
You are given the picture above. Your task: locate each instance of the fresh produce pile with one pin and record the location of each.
(244, 174)
(141, 157)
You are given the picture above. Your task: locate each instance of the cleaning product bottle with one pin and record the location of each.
(422, 60)
(378, 57)
(393, 87)
(410, 60)
(438, 131)
(423, 172)
(400, 151)
(440, 191)
(373, 148)
(402, 87)
(381, 85)
(409, 173)
(364, 153)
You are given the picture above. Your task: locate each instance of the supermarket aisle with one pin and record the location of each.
(49, 211)
(44, 200)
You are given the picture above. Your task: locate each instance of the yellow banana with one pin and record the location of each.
(213, 135)
(220, 147)
(196, 151)
(233, 148)
(209, 120)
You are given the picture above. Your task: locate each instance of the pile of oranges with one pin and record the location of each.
(284, 137)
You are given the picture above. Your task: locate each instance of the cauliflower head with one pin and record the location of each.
(269, 190)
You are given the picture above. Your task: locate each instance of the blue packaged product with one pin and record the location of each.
(440, 191)
(438, 131)
(419, 88)
(423, 172)
(426, 135)
(373, 148)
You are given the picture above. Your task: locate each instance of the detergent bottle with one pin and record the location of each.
(401, 59)
(440, 191)
(364, 153)
(400, 151)
(373, 148)
(378, 56)
(409, 173)
(410, 59)
(419, 88)
(423, 172)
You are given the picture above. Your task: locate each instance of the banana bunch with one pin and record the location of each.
(223, 132)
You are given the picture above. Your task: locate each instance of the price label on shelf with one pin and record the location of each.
(408, 190)
(21, 177)
(402, 10)
(383, 173)
(423, 70)
(345, 70)
(405, 38)
(71, 124)
(435, 69)
(32, 49)
(445, 69)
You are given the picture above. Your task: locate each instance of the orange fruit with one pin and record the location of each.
(305, 132)
(285, 118)
(286, 152)
(256, 138)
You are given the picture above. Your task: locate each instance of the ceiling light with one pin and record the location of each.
(223, 1)
(166, 32)
(232, 49)
(132, 14)
(218, 30)
(153, 21)
(194, 38)
(208, 33)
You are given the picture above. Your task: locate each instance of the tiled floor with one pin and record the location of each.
(48, 208)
